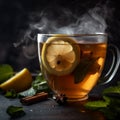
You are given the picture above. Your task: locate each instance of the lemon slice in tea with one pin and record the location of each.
(60, 55)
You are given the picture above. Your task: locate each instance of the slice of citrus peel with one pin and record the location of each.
(60, 55)
(19, 82)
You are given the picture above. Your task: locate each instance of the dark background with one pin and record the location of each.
(15, 17)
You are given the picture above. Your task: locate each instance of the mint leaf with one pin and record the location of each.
(11, 94)
(15, 111)
(112, 89)
(83, 68)
(96, 104)
(40, 84)
(6, 71)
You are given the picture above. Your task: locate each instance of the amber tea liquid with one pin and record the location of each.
(78, 83)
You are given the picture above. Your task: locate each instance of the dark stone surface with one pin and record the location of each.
(47, 110)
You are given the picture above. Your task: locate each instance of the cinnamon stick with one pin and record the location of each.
(35, 98)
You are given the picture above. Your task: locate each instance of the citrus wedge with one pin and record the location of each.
(19, 82)
(60, 55)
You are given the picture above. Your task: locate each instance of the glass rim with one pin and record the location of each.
(73, 35)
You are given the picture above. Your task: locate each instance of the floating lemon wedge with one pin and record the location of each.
(19, 82)
(60, 55)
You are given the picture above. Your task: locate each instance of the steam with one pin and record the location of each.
(66, 22)
(91, 23)
(62, 20)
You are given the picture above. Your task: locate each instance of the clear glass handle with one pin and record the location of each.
(113, 66)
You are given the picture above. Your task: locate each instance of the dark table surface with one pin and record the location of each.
(48, 110)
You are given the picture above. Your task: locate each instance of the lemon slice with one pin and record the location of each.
(19, 82)
(60, 55)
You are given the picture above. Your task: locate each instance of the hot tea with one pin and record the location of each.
(72, 67)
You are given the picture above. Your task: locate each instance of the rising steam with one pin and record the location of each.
(62, 21)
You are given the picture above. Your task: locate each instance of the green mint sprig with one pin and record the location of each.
(109, 105)
(15, 111)
(6, 71)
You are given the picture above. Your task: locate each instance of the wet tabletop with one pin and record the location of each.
(48, 110)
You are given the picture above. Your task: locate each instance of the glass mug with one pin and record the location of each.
(72, 63)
